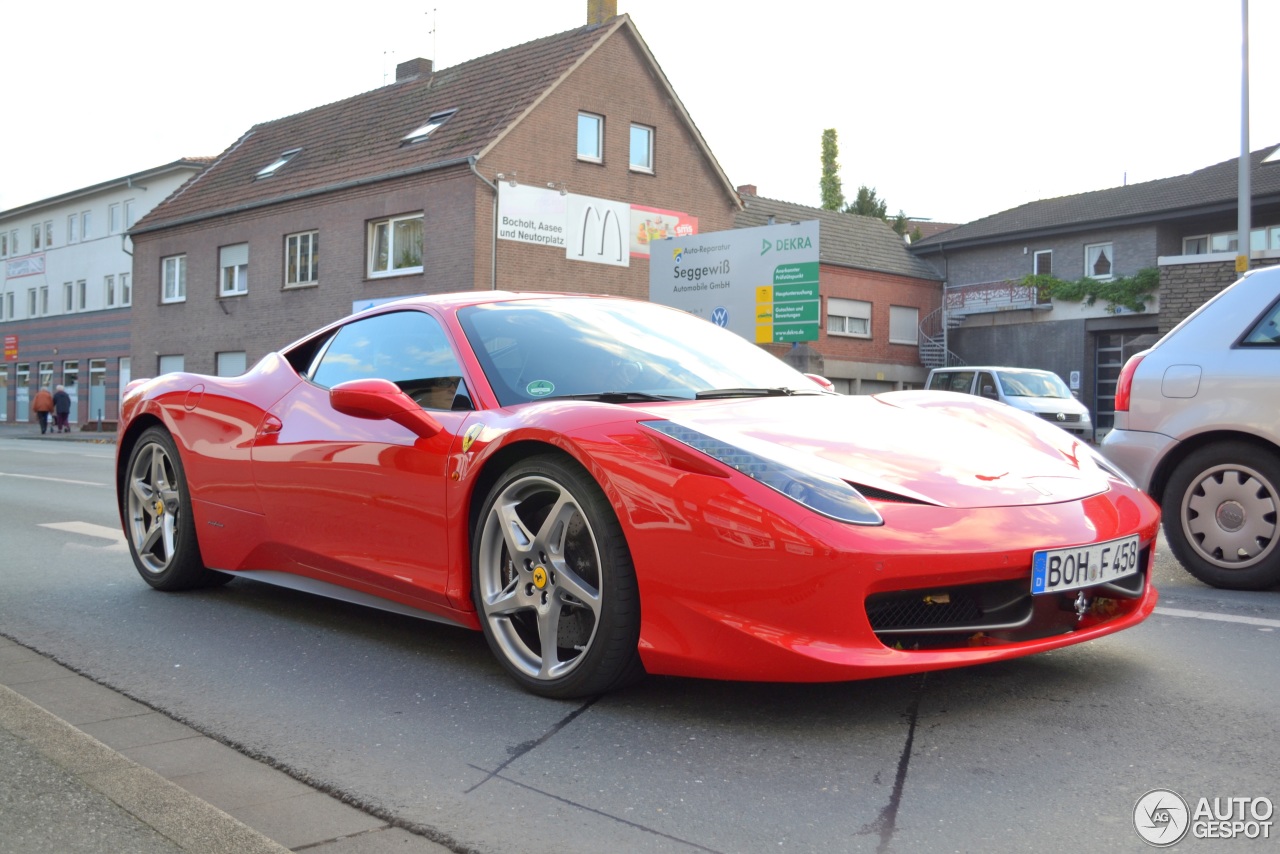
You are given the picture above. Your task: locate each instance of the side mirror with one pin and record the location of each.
(377, 400)
(989, 391)
(822, 382)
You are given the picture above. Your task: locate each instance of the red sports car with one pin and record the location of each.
(608, 488)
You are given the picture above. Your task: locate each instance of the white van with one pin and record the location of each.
(1041, 393)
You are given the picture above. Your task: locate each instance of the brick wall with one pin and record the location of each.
(1186, 287)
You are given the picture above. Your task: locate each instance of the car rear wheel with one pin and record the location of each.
(553, 582)
(158, 522)
(1220, 515)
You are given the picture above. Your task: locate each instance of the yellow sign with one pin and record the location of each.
(1242, 263)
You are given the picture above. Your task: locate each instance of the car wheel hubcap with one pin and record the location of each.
(153, 508)
(539, 577)
(1230, 516)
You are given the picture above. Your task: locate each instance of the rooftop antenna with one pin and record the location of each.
(432, 33)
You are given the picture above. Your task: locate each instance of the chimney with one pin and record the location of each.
(599, 11)
(748, 190)
(409, 69)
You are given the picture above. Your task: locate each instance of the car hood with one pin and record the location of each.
(939, 448)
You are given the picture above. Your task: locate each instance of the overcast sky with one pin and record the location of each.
(951, 110)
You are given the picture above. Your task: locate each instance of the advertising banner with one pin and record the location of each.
(761, 283)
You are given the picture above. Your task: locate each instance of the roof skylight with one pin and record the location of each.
(433, 121)
(270, 169)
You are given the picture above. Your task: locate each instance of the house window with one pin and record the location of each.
(129, 215)
(848, 317)
(641, 148)
(48, 234)
(1098, 260)
(85, 220)
(37, 234)
(126, 293)
(172, 363)
(233, 262)
(395, 246)
(173, 279)
(82, 295)
(4, 245)
(109, 291)
(591, 137)
(302, 259)
(1043, 263)
(13, 242)
(433, 121)
(230, 364)
(44, 299)
(31, 302)
(8, 301)
(904, 325)
(1198, 245)
(113, 218)
(68, 297)
(73, 228)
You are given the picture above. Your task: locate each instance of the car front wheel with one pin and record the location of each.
(158, 522)
(553, 582)
(1220, 515)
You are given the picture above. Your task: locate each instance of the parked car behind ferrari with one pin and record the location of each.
(1198, 427)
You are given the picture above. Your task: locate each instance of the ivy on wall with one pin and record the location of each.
(1131, 292)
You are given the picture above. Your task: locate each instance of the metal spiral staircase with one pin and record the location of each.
(933, 338)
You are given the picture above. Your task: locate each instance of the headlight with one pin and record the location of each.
(826, 495)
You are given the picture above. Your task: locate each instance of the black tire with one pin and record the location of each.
(1220, 515)
(549, 560)
(158, 520)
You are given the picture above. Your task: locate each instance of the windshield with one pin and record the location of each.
(563, 347)
(1033, 384)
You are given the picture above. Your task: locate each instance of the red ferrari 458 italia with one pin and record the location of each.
(607, 488)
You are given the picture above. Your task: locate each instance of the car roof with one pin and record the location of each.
(991, 368)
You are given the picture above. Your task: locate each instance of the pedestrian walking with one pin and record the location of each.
(61, 410)
(42, 406)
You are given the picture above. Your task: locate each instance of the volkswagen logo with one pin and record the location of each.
(1062, 416)
(720, 316)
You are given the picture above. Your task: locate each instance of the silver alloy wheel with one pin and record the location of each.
(539, 577)
(154, 505)
(1229, 515)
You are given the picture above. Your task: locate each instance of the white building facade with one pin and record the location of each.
(66, 290)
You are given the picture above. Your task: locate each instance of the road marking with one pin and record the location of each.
(1223, 618)
(53, 479)
(87, 529)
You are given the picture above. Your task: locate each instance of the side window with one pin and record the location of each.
(407, 347)
(952, 381)
(1266, 332)
(987, 386)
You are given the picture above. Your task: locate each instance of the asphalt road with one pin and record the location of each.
(415, 720)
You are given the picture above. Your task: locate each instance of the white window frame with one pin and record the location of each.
(840, 313)
(73, 228)
(109, 290)
(113, 218)
(645, 163)
(4, 244)
(37, 235)
(86, 220)
(31, 302)
(1091, 253)
(425, 130)
(1195, 250)
(904, 324)
(68, 297)
(233, 270)
(173, 279)
(585, 134)
(230, 363)
(294, 274)
(126, 291)
(1035, 262)
(390, 225)
(129, 219)
(82, 295)
(270, 169)
(44, 300)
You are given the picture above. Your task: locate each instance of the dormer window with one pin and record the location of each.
(271, 168)
(433, 121)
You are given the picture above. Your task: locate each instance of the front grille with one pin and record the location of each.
(972, 607)
(1060, 417)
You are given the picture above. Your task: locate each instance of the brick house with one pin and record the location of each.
(1184, 226)
(874, 295)
(539, 167)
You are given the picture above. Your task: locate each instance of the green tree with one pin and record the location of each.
(832, 194)
(868, 204)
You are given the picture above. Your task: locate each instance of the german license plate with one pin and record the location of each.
(1054, 570)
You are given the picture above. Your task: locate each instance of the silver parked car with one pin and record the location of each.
(1198, 427)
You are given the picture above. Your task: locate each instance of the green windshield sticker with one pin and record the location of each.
(539, 388)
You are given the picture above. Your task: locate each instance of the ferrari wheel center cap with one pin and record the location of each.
(540, 577)
(159, 507)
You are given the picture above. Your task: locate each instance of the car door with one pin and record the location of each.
(360, 501)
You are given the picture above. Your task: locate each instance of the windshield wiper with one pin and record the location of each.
(779, 391)
(616, 396)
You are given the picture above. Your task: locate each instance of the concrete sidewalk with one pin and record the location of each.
(89, 770)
